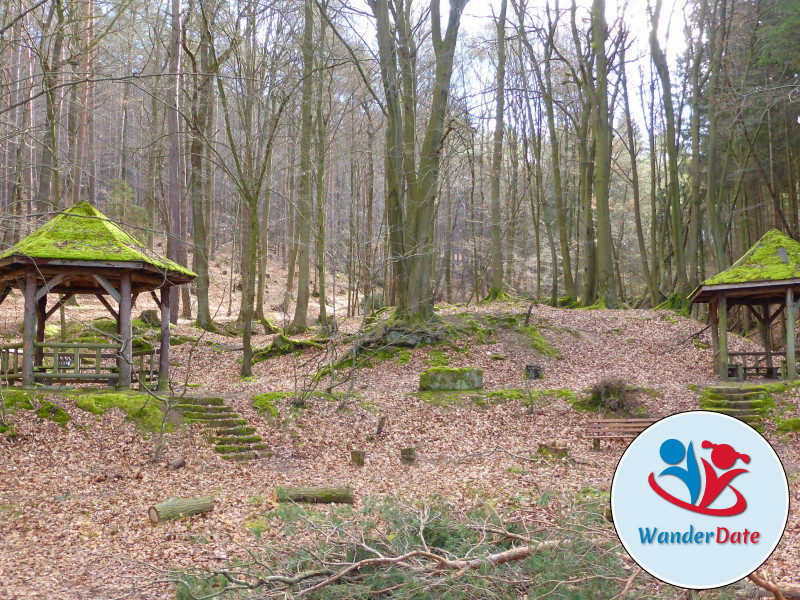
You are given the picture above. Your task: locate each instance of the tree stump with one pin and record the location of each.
(177, 508)
(552, 450)
(532, 372)
(177, 463)
(314, 495)
(408, 456)
(357, 457)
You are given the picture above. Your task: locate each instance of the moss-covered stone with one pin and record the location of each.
(445, 378)
(84, 233)
(774, 257)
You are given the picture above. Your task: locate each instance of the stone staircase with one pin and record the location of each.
(230, 434)
(746, 403)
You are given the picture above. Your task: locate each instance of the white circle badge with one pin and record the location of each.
(700, 500)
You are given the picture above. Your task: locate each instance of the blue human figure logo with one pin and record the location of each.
(672, 452)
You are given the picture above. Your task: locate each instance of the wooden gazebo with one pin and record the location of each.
(81, 251)
(766, 280)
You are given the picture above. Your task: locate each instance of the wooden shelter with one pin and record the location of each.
(765, 280)
(81, 251)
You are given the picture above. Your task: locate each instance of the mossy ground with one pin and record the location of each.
(28, 400)
(143, 411)
(485, 399)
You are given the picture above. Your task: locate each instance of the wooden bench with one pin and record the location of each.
(615, 429)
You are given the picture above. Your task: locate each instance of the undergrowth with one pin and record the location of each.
(389, 527)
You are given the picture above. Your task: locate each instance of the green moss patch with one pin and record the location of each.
(787, 425)
(539, 342)
(84, 233)
(774, 257)
(678, 303)
(282, 345)
(15, 399)
(145, 415)
(437, 358)
(53, 412)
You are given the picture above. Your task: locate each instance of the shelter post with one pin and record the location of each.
(714, 319)
(791, 360)
(29, 330)
(723, 337)
(163, 364)
(126, 355)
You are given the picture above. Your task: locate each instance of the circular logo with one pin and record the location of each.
(700, 500)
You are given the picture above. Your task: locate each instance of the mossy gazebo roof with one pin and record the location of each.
(761, 275)
(81, 242)
(767, 274)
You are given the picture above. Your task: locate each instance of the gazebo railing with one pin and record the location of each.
(77, 362)
(11, 362)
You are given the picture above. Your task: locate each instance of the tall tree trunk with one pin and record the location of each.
(606, 290)
(174, 181)
(496, 291)
(671, 141)
(300, 320)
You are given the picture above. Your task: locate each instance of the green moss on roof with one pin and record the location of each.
(775, 257)
(84, 233)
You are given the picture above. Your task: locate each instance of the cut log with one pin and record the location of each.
(316, 495)
(357, 457)
(176, 508)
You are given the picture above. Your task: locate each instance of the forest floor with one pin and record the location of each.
(74, 499)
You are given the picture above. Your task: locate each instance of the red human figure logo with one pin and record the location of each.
(724, 457)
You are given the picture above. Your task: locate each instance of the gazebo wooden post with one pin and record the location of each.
(163, 359)
(791, 315)
(126, 334)
(29, 330)
(41, 318)
(714, 319)
(766, 335)
(723, 337)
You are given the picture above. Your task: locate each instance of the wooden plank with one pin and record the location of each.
(108, 306)
(61, 301)
(107, 286)
(45, 289)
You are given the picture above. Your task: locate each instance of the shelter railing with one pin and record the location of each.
(75, 362)
(11, 362)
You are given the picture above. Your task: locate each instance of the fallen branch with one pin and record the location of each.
(787, 591)
(461, 564)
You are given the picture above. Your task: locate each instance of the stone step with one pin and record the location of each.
(203, 417)
(218, 424)
(229, 448)
(203, 401)
(235, 431)
(204, 408)
(234, 439)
